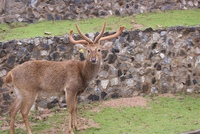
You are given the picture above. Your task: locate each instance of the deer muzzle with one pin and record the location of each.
(93, 60)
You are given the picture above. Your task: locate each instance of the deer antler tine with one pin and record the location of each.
(82, 35)
(74, 41)
(101, 34)
(114, 35)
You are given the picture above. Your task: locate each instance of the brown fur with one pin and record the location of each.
(8, 78)
(46, 78)
(34, 78)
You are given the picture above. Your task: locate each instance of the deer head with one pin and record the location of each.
(93, 48)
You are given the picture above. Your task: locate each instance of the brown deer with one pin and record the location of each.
(71, 77)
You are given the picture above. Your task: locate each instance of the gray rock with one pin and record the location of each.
(197, 62)
(42, 103)
(197, 50)
(139, 57)
(36, 54)
(33, 2)
(166, 60)
(3, 73)
(190, 90)
(190, 3)
(170, 42)
(113, 71)
(103, 74)
(156, 36)
(165, 70)
(130, 50)
(196, 3)
(162, 33)
(43, 53)
(93, 97)
(129, 82)
(49, 41)
(114, 81)
(11, 61)
(124, 58)
(112, 58)
(154, 90)
(145, 38)
(135, 77)
(162, 55)
(141, 72)
(36, 41)
(104, 83)
(97, 90)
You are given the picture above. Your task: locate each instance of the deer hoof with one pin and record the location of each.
(71, 132)
(77, 128)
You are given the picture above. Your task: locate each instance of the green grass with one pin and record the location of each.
(169, 18)
(161, 116)
(57, 28)
(38, 126)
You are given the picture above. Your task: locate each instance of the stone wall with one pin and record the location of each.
(140, 62)
(38, 10)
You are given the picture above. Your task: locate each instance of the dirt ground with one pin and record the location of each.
(125, 102)
(122, 102)
(83, 123)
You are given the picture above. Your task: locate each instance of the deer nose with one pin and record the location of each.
(93, 60)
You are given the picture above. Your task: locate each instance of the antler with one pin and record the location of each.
(74, 41)
(83, 36)
(97, 39)
(114, 35)
(101, 34)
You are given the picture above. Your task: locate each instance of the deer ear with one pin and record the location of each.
(107, 46)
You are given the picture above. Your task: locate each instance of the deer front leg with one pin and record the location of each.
(70, 98)
(75, 113)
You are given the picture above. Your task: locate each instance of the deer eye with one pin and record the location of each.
(99, 50)
(88, 51)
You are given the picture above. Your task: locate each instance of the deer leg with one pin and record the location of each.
(75, 113)
(27, 104)
(13, 111)
(70, 98)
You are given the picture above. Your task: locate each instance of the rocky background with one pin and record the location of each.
(32, 11)
(140, 62)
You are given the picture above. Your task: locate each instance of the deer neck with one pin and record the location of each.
(90, 70)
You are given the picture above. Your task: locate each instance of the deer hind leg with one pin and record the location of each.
(14, 109)
(28, 101)
(71, 104)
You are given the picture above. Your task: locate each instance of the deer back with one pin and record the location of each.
(46, 76)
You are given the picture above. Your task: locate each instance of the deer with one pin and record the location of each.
(70, 78)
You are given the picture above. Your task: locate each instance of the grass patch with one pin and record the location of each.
(169, 18)
(58, 28)
(162, 115)
(53, 121)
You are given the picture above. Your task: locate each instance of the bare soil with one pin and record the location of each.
(125, 102)
(122, 102)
